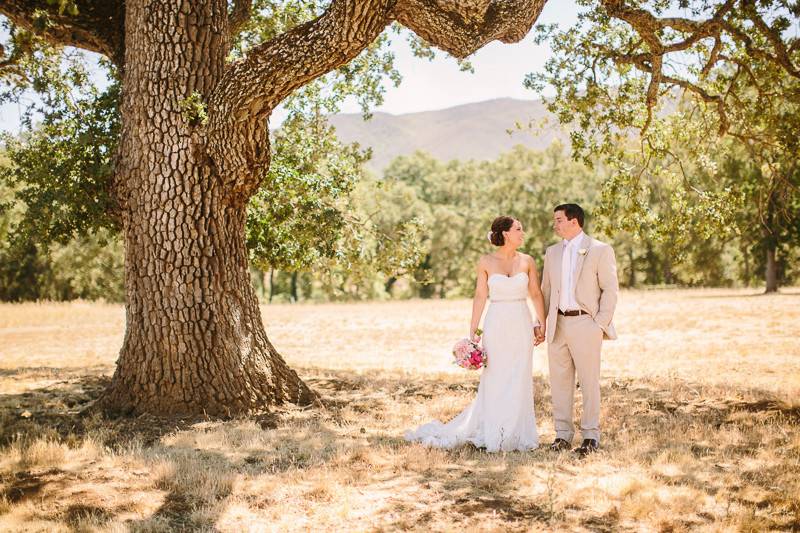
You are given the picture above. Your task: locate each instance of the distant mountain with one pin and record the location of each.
(471, 131)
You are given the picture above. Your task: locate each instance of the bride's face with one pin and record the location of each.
(515, 236)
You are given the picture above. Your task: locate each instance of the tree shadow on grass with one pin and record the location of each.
(197, 484)
(192, 485)
(63, 373)
(664, 414)
(63, 410)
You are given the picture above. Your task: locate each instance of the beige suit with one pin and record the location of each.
(573, 343)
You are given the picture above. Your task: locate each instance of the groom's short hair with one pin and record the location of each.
(572, 211)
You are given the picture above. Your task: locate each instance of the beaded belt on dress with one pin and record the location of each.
(511, 300)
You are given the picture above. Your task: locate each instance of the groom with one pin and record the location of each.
(580, 288)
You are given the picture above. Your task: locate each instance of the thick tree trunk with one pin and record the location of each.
(194, 342)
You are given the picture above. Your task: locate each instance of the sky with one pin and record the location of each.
(499, 72)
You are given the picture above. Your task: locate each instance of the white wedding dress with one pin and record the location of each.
(501, 416)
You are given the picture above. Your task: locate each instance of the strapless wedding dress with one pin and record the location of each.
(501, 416)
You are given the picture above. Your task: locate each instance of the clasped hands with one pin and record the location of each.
(538, 334)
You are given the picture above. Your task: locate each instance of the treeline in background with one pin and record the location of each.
(690, 191)
(323, 228)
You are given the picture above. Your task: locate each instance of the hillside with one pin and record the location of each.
(471, 131)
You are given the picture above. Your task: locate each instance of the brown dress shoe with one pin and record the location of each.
(559, 445)
(588, 446)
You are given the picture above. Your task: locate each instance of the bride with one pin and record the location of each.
(501, 416)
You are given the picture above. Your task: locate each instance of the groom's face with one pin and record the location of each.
(564, 228)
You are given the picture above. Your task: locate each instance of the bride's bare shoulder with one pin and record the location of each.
(483, 266)
(528, 260)
(485, 260)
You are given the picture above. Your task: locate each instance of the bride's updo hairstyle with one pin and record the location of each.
(500, 225)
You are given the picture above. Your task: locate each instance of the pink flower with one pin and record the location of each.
(469, 354)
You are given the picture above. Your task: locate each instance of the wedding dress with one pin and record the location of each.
(501, 416)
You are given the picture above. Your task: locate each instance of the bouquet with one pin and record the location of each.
(469, 354)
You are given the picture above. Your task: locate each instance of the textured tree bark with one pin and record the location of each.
(194, 341)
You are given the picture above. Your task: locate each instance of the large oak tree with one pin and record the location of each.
(193, 147)
(194, 144)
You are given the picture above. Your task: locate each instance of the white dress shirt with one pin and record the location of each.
(569, 260)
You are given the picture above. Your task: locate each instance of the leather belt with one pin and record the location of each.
(577, 312)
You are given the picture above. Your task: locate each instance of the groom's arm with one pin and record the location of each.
(609, 287)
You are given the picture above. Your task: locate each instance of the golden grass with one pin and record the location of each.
(700, 428)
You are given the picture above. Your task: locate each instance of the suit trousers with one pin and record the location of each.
(575, 347)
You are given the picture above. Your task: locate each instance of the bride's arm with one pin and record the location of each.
(481, 294)
(535, 292)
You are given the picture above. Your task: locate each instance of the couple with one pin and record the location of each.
(576, 299)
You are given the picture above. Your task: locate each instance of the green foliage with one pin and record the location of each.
(65, 6)
(61, 170)
(88, 267)
(664, 149)
(381, 243)
(316, 210)
(297, 216)
(194, 109)
(31, 65)
(457, 202)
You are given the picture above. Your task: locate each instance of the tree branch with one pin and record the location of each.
(650, 29)
(98, 26)
(238, 109)
(240, 14)
(240, 105)
(639, 61)
(781, 52)
(460, 27)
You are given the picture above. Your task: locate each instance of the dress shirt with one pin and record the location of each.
(569, 260)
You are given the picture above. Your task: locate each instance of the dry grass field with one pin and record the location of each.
(701, 428)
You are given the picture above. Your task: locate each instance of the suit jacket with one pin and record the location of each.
(596, 284)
